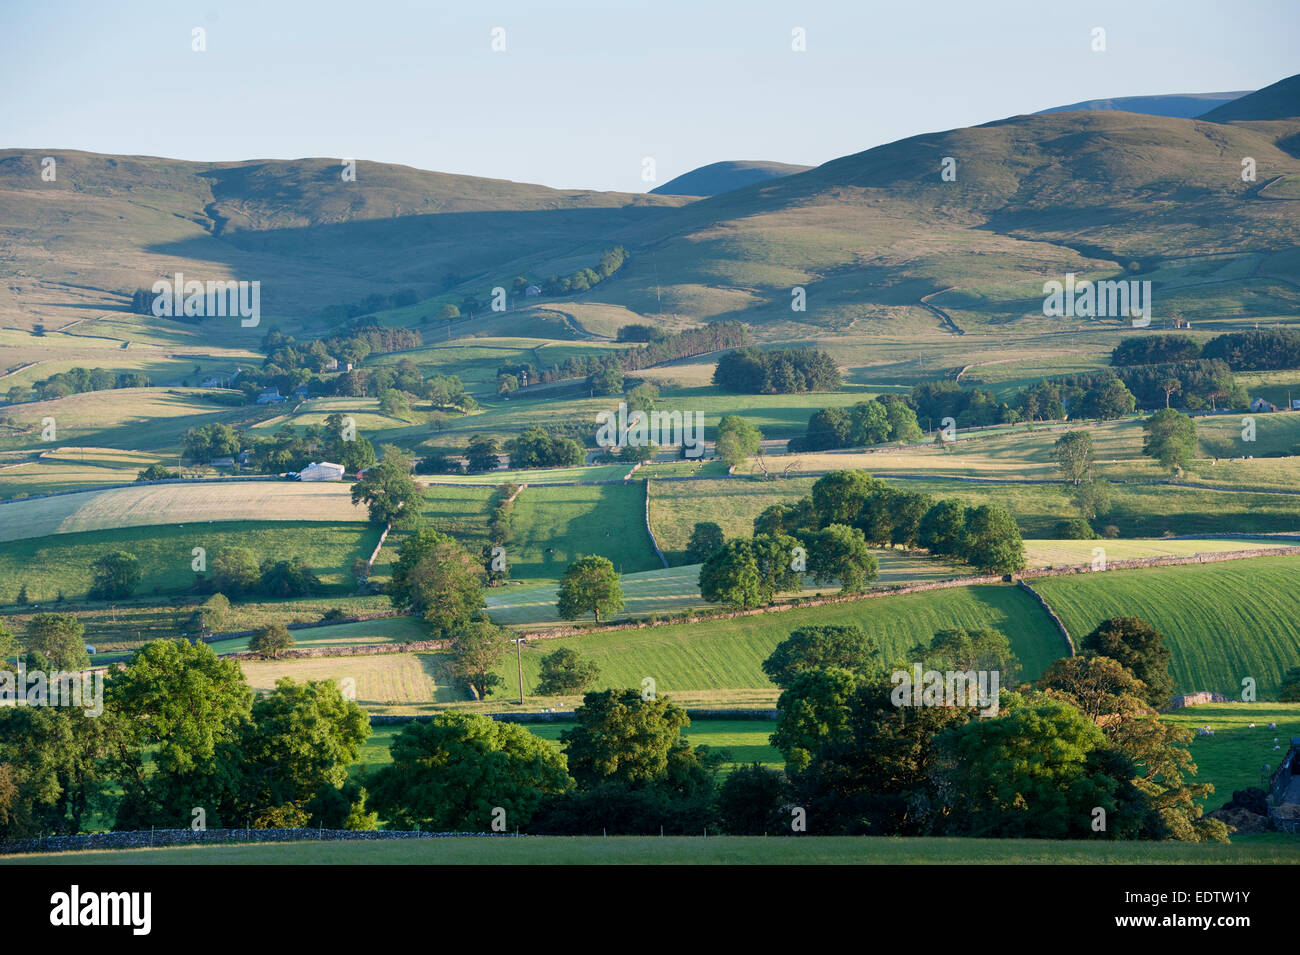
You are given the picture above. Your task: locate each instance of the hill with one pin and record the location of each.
(1281, 100)
(722, 177)
(886, 249)
(1183, 105)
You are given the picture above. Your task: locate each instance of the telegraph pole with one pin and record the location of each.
(519, 663)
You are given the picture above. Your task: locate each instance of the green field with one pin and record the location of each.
(1223, 622)
(1235, 756)
(554, 526)
(718, 662)
(62, 562)
(711, 850)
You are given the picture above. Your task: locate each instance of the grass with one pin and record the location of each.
(746, 740)
(554, 526)
(360, 633)
(1223, 622)
(1234, 757)
(677, 589)
(380, 683)
(682, 850)
(180, 504)
(1067, 553)
(62, 562)
(719, 661)
(125, 418)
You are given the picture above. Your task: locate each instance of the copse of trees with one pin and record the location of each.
(583, 279)
(116, 576)
(876, 421)
(535, 448)
(778, 371)
(77, 381)
(1155, 350)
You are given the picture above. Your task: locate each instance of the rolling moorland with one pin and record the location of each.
(908, 279)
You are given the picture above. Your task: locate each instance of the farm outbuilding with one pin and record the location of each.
(324, 471)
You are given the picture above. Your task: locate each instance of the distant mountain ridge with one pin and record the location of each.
(719, 177)
(1177, 105)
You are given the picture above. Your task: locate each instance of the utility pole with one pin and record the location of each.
(519, 663)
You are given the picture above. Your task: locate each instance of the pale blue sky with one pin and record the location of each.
(586, 88)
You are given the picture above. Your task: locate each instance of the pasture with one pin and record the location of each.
(61, 563)
(1223, 622)
(692, 850)
(718, 662)
(179, 504)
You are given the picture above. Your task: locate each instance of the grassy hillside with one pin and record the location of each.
(62, 562)
(1224, 622)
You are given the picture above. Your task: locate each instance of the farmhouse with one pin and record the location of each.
(271, 396)
(324, 471)
(1284, 791)
(1261, 404)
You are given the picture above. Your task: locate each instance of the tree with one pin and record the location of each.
(55, 640)
(184, 708)
(1290, 689)
(1141, 648)
(1170, 386)
(991, 541)
(475, 652)
(1097, 686)
(589, 585)
(1074, 455)
(752, 801)
(737, 440)
(116, 575)
(841, 553)
(288, 578)
(980, 650)
(388, 492)
(564, 672)
(1033, 772)
(909, 510)
(448, 313)
(208, 616)
(299, 742)
(942, 529)
(622, 736)
(814, 712)
(453, 772)
(1107, 401)
(730, 576)
(154, 472)
(812, 648)
(437, 577)
(838, 497)
(8, 646)
(270, 641)
(1092, 498)
(482, 454)
(706, 538)
(235, 571)
(606, 381)
(1170, 439)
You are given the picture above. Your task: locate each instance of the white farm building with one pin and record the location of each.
(324, 471)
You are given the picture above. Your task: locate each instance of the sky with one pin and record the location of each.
(583, 92)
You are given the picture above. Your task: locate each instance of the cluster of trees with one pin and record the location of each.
(887, 418)
(778, 371)
(625, 767)
(76, 381)
(610, 262)
(1255, 350)
(374, 302)
(1086, 737)
(828, 536)
(288, 449)
(535, 448)
(181, 732)
(1105, 395)
(236, 572)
